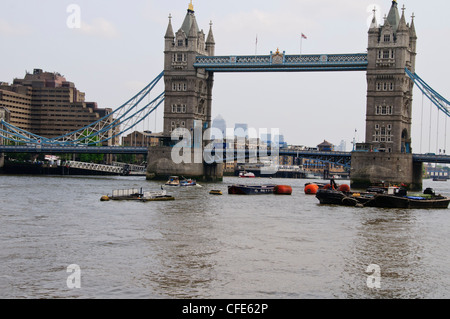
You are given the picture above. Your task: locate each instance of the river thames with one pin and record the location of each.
(203, 246)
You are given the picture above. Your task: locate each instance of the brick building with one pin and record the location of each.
(48, 105)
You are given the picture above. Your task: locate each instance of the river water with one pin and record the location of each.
(206, 246)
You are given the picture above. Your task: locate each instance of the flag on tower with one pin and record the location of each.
(304, 36)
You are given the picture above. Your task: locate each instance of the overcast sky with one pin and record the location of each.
(118, 49)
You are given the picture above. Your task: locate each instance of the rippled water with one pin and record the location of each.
(205, 246)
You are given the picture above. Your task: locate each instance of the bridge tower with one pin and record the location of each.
(386, 154)
(188, 99)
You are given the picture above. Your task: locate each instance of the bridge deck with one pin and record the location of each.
(342, 158)
(283, 63)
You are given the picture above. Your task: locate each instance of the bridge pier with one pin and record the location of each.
(161, 166)
(368, 168)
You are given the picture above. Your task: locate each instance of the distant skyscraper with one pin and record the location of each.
(241, 130)
(342, 147)
(220, 124)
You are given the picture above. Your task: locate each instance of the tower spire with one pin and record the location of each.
(191, 7)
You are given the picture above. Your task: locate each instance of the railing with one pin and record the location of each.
(282, 62)
(95, 167)
(117, 169)
(38, 148)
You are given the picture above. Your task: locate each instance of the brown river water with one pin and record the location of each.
(206, 246)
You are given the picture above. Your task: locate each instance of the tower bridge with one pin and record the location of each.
(189, 67)
(190, 64)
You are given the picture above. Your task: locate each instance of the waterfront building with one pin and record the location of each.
(325, 146)
(46, 104)
(141, 139)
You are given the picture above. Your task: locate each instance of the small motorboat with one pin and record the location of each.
(245, 174)
(215, 192)
(188, 182)
(175, 181)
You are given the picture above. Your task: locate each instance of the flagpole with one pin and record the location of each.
(301, 42)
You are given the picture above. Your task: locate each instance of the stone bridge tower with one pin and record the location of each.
(387, 153)
(188, 100)
(188, 90)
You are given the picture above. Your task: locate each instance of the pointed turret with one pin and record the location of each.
(402, 26)
(210, 42)
(374, 24)
(170, 36)
(394, 17)
(188, 20)
(169, 32)
(412, 28)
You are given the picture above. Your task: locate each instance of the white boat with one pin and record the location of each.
(245, 174)
(175, 181)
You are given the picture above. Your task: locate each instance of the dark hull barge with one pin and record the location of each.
(425, 201)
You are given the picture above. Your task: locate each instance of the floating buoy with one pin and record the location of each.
(328, 186)
(344, 188)
(215, 192)
(282, 190)
(311, 189)
(104, 198)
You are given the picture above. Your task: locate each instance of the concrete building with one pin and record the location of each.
(46, 104)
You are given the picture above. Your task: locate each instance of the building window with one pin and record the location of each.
(387, 38)
(384, 110)
(386, 54)
(178, 86)
(383, 133)
(180, 43)
(178, 108)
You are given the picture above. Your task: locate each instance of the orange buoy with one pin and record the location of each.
(344, 188)
(328, 186)
(282, 190)
(311, 189)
